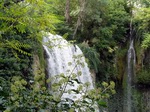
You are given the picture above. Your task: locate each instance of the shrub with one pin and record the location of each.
(143, 77)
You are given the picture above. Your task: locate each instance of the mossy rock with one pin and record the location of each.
(121, 63)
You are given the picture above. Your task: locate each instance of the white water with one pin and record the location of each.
(130, 74)
(60, 53)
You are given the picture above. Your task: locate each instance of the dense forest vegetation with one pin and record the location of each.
(101, 28)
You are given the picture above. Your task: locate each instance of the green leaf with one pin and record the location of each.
(102, 103)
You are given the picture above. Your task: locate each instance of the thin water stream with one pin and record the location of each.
(130, 74)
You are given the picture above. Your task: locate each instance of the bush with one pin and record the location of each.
(39, 98)
(92, 55)
(143, 77)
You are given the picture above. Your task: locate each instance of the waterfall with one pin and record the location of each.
(61, 59)
(130, 74)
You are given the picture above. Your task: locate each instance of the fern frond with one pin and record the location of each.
(92, 56)
(16, 45)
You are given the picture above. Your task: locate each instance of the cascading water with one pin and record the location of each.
(60, 53)
(130, 74)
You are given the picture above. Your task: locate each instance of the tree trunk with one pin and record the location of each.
(80, 16)
(67, 11)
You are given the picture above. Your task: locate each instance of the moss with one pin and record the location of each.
(120, 68)
(121, 64)
(139, 56)
(39, 51)
(142, 69)
(124, 81)
(41, 56)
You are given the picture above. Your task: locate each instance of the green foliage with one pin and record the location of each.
(23, 98)
(29, 15)
(137, 96)
(4, 88)
(146, 41)
(12, 66)
(143, 17)
(22, 26)
(92, 56)
(16, 45)
(143, 77)
(36, 97)
(27, 19)
(105, 26)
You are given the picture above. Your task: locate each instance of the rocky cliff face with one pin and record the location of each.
(140, 90)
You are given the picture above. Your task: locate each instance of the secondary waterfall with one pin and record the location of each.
(130, 74)
(65, 58)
